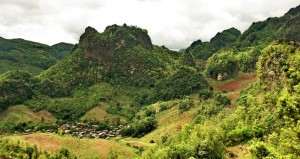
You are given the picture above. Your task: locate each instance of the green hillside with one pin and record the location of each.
(23, 55)
(261, 34)
(236, 96)
(258, 35)
(121, 55)
(241, 51)
(223, 40)
(119, 67)
(266, 120)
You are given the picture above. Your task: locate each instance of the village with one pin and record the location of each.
(83, 130)
(80, 129)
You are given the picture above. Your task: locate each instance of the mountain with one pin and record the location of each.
(265, 122)
(244, 49)
(20, 54)
(203, 50)
(121, 55)
(120, 62)
(259, 35)
(62, 49)
(160, 101)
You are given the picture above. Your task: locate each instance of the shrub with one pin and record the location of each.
(205, 94)
(224, 63)
(139, 127)
(259, 150)
(185, 104)
(183, 82)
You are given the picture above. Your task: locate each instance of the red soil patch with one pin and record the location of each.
(43, 141)
(241, 82)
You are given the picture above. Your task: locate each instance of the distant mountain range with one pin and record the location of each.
(20, 54)
(259, 34)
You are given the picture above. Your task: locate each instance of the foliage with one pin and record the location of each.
(145, 96)
(62, 50)
(185, 81)
(139, 128)
(205, 94)
(261, 34)
(204, 50)
(121, 64)
(268, 112)
(19, 54)
(122, 55)
(284, 144)
(224, 63)
(185, 104)
(212, 104)
(10, 149)
(81, 101)
(70, 73)
(15, 88)
(198, 141)
(247, 60)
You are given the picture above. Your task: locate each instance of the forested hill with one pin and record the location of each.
(122, 55)
(100, 65)
(261, 34)
(204, 50)
(258, 35)
(20, 54)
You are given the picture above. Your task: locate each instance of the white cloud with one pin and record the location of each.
(173, 23)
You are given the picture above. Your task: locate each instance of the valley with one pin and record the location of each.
(115, 94)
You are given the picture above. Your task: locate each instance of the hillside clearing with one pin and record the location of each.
(238, 83)
(82, 148)
(21, 113)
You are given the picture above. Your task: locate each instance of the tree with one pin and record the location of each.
(223, 64)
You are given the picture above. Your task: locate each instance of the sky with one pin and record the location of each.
(173, 23)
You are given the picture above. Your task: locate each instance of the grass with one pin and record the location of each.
(170, 122)
(233, 88)
(21, 113)
(99, 113)
(241, 151)
(82, 148)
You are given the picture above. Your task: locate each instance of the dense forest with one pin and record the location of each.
(118, 82)
(20, 54)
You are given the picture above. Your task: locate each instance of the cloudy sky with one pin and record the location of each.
(173, 23)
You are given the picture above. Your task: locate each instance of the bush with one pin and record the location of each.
(185, 104)
(205, 94)
(223, 63)
(15, 88)
(183, 82)
(259, 150)
(223, 100)
(140, 127)
(213, 106)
